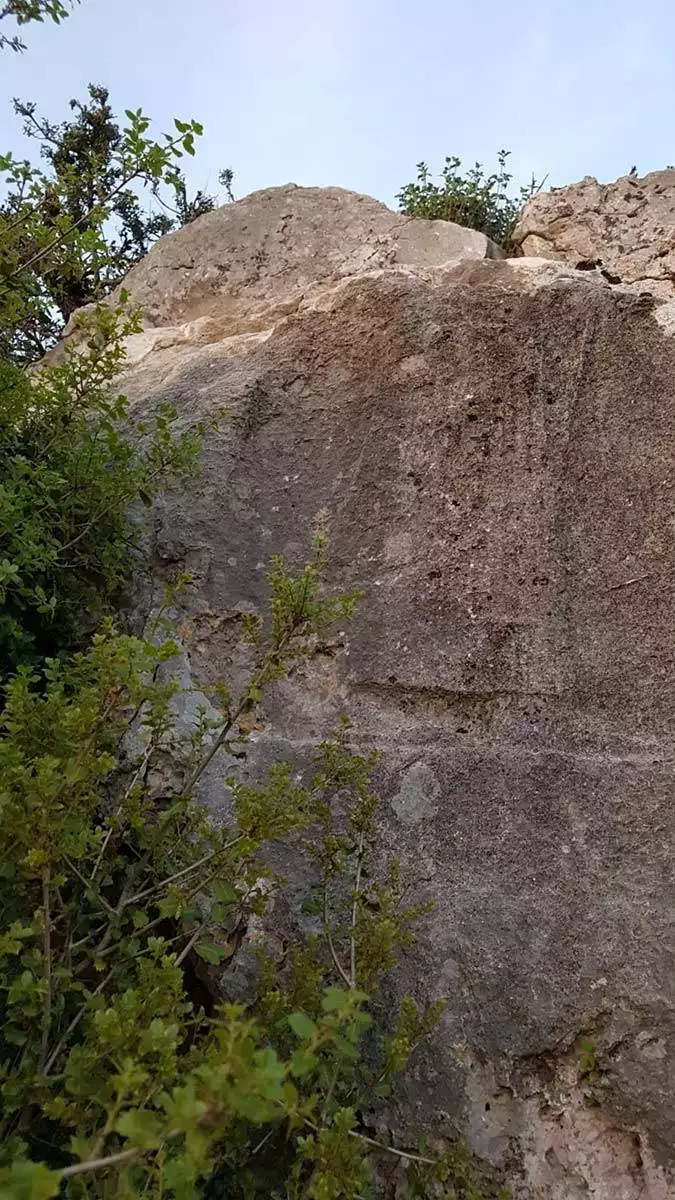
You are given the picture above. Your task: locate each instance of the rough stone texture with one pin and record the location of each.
(626, 228)
(493, 444)
(246, 264)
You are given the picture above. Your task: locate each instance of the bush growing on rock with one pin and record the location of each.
(473, 199)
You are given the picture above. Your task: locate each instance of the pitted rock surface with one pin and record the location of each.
(625, 230)
(493, 444)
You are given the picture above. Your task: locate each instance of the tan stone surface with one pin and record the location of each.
(493, 444)
(247, 263)
(626, 227)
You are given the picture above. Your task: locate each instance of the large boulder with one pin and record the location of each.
(492, 443)
(241, 266)
(626, 229)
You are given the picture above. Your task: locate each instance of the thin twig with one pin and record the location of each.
(99, 1164)
(193, 941)
(614, 587)
(118, 812)
(86, 216)
(112, 1160)
(73, 1025)
(88, 885)
(261, 1143)
(180, 874)
(433, 1162)
(329, 938)
(245, 702)
(355, 906)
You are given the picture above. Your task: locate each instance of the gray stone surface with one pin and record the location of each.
(493, 445)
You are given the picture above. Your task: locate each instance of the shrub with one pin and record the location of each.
(72, 464)
(113, 1079)
(70, 230)
(474, 199)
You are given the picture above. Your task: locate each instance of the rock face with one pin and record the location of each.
(241, 267)
(626, 229)
(493, 443)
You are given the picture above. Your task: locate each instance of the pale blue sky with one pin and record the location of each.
(355, 92)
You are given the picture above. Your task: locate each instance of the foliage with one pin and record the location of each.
(474, 199)
(25, 11)
(110, 891)
(72, 463)
(70, 230)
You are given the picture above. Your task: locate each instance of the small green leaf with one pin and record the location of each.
(140, 1127)
(210, 953)
(302, 1025)
(383, 1090)
(223, 893)
(302, 1062)
(28, 1181)
(14, 1036)
(334, 999)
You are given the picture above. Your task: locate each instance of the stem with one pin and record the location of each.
(134, 781)
(193, 940)
(98, 1164)
(262, 1142)
(47, 1012)
(329, 938)
(180, 874)
(86, 216)
(433, 1162)
(73, 1025)
(256, 682)
(355, 905)
(87, 883)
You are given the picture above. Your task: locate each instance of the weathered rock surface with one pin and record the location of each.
(247, 264)
(493, 443)
(626, 229)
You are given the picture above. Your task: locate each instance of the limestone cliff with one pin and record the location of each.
(492, 441)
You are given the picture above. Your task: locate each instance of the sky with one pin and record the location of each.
(356, 92)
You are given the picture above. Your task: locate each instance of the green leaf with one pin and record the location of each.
(383, 1090)
(302, 1062)
(210, 953)
(14, 1036)
(224, 893)
(28, 1181)
(141, 1127)
(302, 1025)
(334, 999)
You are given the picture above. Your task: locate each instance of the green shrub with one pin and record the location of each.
(113, 1081)
(474, 199)
(72, 464)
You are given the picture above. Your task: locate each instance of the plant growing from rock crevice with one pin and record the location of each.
(474, 199)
